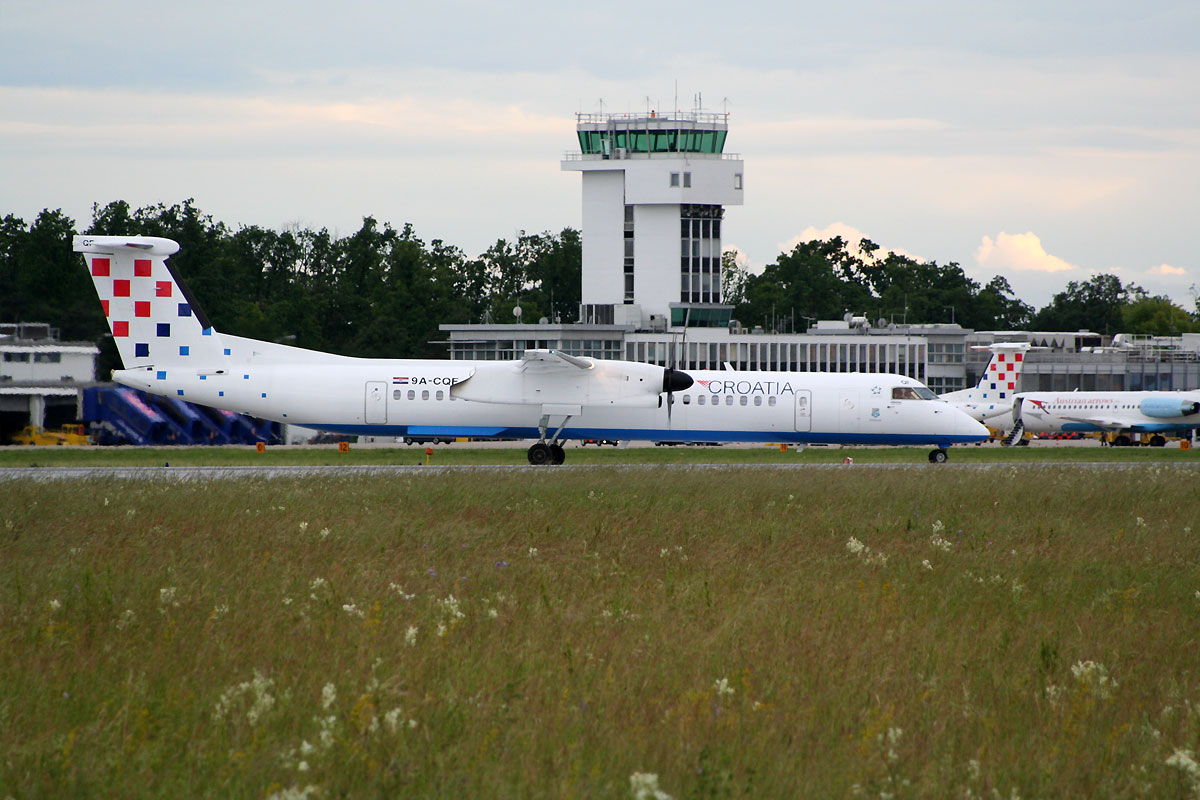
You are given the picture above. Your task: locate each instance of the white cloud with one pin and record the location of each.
(1166, 269)
(850, 234)
(1022, 252)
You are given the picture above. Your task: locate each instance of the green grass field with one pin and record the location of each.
(736, 633)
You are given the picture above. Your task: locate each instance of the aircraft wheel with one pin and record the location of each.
(1122, 441)
(557, 454)
(1157, 441)
(540, 454)
(938, 456)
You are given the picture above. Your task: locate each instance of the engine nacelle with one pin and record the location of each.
(1168, 407)
(624, 384)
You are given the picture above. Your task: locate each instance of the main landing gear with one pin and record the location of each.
(938, 456)
(546, 453)
(550, 452)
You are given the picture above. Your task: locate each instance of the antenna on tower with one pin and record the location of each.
(725, 105)
(602, 106)
(675, 105)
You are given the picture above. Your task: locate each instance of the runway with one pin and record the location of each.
(203, 474)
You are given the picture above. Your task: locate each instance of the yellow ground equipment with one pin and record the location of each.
(66, 435)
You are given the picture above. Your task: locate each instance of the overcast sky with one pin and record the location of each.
(1044, 141)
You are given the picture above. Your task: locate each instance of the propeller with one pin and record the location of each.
(674, 379)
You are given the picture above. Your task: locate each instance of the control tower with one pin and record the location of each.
(655, 187)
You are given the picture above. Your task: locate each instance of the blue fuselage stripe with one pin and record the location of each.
(652, 435)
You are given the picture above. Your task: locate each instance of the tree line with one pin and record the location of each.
(825, 279)
(382, 291)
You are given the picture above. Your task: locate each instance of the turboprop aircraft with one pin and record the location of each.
(993, 395)
(1121, 412)
(168, 347)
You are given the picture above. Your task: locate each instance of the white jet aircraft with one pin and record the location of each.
(169, 348)
(1121, 412)
(993, 395)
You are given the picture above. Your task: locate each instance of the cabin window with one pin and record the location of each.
(728, 399)
(758, 400)
(904, 393)
(771, 400)
(700, 400)
(396, 395)
(439, 394)
(744, 400)
(424, 394)
(687, 399)
(412, 395)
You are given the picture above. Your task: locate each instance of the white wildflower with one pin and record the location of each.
(868, 555)
(973, 770)
(1053, 693)
(307, 749)
(166, 595)
(328, 726)
(1141, 523)
(324, 534)
(644, 786)
(302, 766)
(392, 719)
(938, 527)
(1017, 587)
(663, 553)
(219, 611)
(533, 551)
(893, 738)
(303, 527)
(395, 587)
(940, 543)
(126, 619)
(55, 605)
(353, 610)
(925, 563)
(493, 613)
(317, 583)
(294, 793)
(441, 630)
(1093, 675)
(1184, 761)
(328, 696)
(410, 635)
(450, 608)
(287, 601)
(722, 688)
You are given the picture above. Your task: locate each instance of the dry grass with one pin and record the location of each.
(722, 630)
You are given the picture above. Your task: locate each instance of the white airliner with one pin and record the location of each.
(169, 348)
(1156, 413)
(992, 397)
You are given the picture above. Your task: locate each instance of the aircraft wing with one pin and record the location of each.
(1100, 422)
(553, 359)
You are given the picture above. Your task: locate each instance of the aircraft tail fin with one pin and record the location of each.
(993, 394)
(153, 318)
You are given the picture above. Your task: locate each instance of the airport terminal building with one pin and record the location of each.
(654, 192)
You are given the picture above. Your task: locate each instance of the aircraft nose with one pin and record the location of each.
(969, 426)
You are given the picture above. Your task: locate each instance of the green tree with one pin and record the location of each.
(817, 279)
(1156, 316)
(1096, 305)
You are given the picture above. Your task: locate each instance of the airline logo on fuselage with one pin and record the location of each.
(748, 387)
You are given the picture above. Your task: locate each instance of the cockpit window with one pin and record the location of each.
(912, 393)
